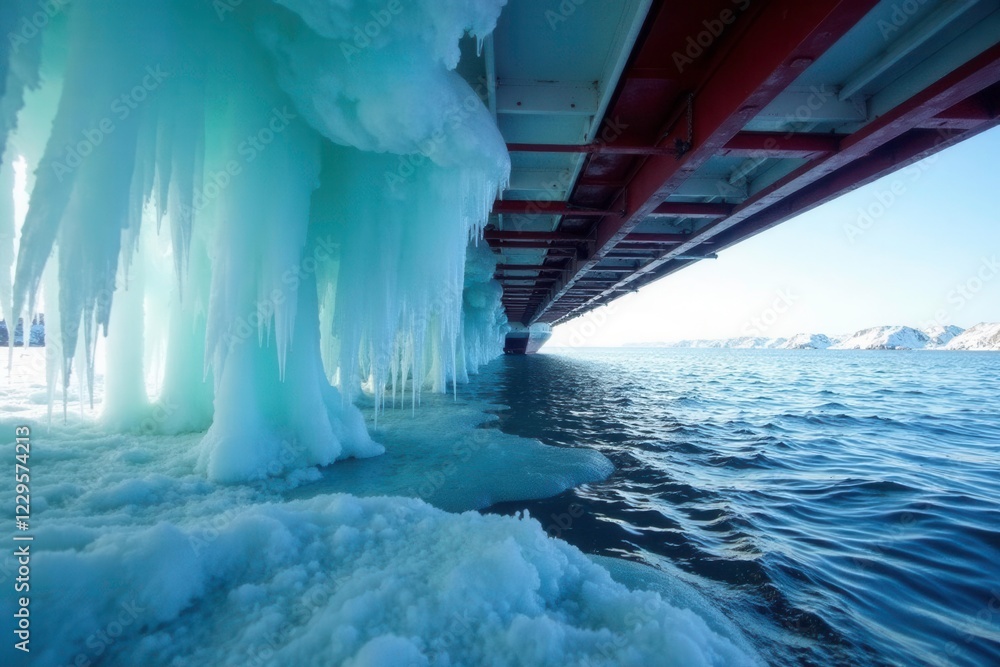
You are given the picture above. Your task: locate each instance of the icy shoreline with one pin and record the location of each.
(138, 559)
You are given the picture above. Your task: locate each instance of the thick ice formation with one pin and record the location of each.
(311, 171)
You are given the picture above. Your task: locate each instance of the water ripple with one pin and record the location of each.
(844, 507)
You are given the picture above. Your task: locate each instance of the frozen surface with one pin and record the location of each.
(138, 559)
(448, 455)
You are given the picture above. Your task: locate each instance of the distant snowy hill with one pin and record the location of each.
(980, 337)
(941, 336)
(742, 343)
(885, 338)
(808, 342)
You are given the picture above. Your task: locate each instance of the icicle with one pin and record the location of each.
(301, 188)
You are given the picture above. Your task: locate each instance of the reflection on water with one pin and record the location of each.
(843, 507)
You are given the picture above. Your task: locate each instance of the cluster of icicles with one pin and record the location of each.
(277, 199)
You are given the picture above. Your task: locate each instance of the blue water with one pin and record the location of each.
(842, 507)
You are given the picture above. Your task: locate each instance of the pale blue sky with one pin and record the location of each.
(942, 231)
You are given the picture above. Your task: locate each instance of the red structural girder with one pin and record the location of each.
(781, 145)
(627, 179)
(507, 207)
(666, 209)
(515, 237)
(896, 139)
(753, 144)
(765, 50)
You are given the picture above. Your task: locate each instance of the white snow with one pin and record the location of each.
(942, 335)
(983, 336)
(343, 580)
(807, 342)
(885, 338)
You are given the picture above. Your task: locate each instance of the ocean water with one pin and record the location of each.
(841, 507)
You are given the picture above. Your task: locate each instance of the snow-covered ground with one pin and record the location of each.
(138, 559)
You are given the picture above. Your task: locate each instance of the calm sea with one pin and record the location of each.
(842, 507)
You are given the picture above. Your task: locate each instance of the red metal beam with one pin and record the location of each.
(909, 149)
(542, 239)
(786, 36)
(965, 115)
(666, 209)
(508, 235)
(692, 210)
(516, 207)
(519, 288)
(528, 267)
(753, 144)
(607, 148)
(780, 145)
(615, 269)
(533, 245)
(524, 288)
(969, 79)
(656, 239)
(887, 144)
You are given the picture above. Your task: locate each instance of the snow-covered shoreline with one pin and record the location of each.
(981, 337)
